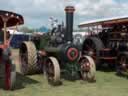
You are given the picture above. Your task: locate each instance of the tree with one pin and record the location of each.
(26, 29)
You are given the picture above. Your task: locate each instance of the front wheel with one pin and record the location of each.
(88, 69)
(52, 70)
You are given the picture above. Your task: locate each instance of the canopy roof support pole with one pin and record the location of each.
(5, 35)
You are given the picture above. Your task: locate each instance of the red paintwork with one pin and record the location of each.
(7, 67)
(114, 23)
(9, 19)
(8, 76)
(69, 54)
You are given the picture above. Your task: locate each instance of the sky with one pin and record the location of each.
(36, 13)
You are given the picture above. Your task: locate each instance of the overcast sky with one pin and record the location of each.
(37, 12)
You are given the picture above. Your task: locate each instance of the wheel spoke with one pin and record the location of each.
(50, 70)
(28, 57)
(122, 67)
(87, 66)
(24, 62)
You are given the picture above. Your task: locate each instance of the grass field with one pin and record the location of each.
(107, 84)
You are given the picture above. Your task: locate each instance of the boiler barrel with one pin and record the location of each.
(65, 52)
(52, 49)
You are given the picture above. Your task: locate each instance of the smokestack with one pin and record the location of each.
(69, 23)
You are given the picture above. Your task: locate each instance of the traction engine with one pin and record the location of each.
(7, 66)
(56, 55)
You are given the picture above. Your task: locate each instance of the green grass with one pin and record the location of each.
(107, 84)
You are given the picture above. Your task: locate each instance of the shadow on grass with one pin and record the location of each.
(20, 83)
(122, 75)
(71, 77)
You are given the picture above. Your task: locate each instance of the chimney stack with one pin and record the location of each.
(69, 23)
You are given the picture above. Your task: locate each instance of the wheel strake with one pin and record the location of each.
(28, 58)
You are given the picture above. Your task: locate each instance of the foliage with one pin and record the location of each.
(26, 29)
(42, 29)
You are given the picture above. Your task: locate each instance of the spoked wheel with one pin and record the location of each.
(122, 66)
(92, 47)
(28, 58)
(52, 69)
(88, 69)
(24, 64)
(10, 76)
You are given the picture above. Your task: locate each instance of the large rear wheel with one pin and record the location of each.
(92, 47)
(28, 58)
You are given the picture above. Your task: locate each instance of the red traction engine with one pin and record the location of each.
(7, 66)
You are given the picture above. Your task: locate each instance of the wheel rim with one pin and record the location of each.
(88, 69)
(28, 58)
(52, 70)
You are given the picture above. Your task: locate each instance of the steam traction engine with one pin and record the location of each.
(110, 45)
(55, 53)
(7, 68)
